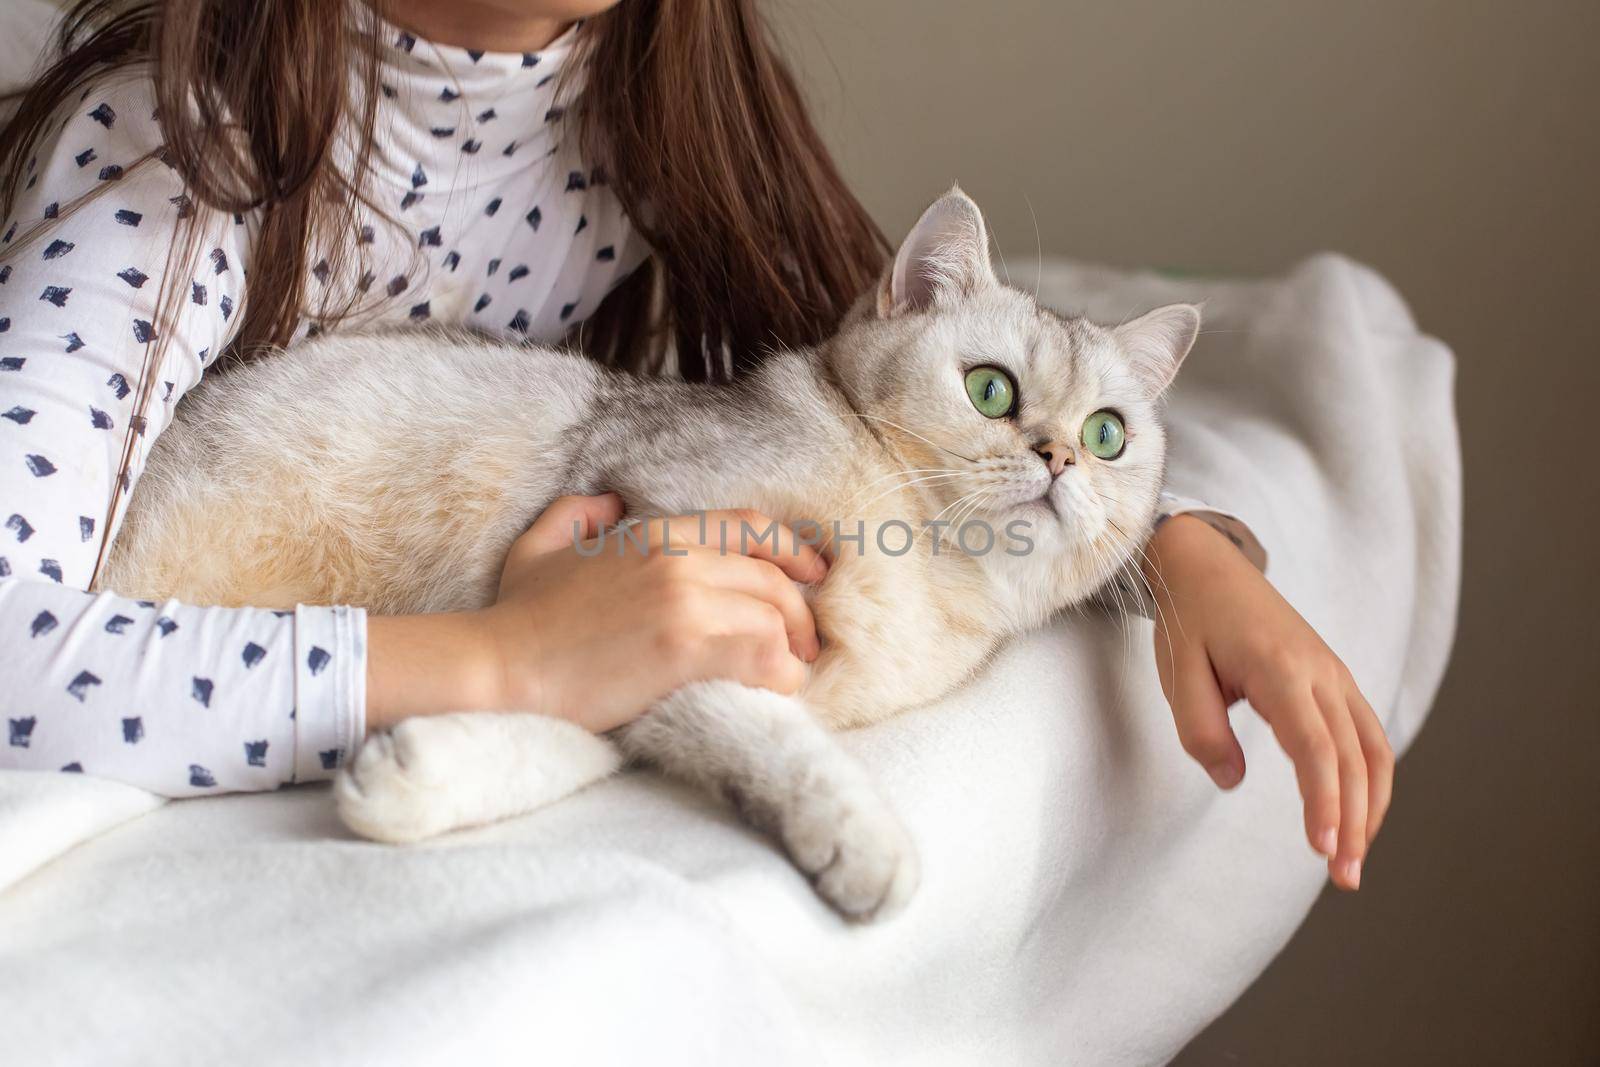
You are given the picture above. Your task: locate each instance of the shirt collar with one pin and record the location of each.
(443, 106)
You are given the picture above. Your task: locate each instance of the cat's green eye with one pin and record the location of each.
(991, 391)
(1103, 435)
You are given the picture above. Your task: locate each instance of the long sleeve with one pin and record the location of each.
(175, 698)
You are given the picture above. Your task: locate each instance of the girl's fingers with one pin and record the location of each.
(764, 664)
(1201, 716)
(1345, 866)
(568, 520)
(747, 533)
(1379, 757)
(763, 581)
(1298, 725)
(749, 644)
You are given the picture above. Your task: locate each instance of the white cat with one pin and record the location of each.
(394, 471)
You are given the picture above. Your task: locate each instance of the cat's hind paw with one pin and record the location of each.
(855, 849)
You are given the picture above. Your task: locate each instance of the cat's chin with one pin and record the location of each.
(1052, 523)
(1036, 511)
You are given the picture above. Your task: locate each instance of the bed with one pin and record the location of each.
(1087, 897)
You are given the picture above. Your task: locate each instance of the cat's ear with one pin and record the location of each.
(945, 256)
(1157, 341)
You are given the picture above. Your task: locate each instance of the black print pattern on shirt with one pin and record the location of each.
(80, 685)
(317, 659)
(20, 731)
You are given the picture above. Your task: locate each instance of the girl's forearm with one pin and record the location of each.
(1182, 541)
(427, 664)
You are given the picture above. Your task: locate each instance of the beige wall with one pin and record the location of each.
(1454, 146)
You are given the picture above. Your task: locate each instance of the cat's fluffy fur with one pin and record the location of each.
(393, 472)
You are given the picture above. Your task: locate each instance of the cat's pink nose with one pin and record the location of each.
(1057, 455)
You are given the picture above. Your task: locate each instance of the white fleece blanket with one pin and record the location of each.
(1088, 896)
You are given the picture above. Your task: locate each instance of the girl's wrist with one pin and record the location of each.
(1179, 544)
(428, 664)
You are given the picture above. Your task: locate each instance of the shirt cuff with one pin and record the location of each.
(330, 688)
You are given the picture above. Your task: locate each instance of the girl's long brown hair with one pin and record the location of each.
(694, 118)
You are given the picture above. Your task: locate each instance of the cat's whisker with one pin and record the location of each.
(1038, 244)
(959, 501)
(975, 497)
(1161, 621)
(906, 485)
(964, 513)
(979, 499)
(851, 505)
(908, 430)
(931, 527)
(1154, 600)
(1115, 590)
(1125, 621)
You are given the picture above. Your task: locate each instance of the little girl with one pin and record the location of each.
(196, 181)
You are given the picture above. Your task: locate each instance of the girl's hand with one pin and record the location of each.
(598, 637)
(1223, 633)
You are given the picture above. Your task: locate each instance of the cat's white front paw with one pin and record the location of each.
(430, 775)
(396, 788)
(854, 847)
